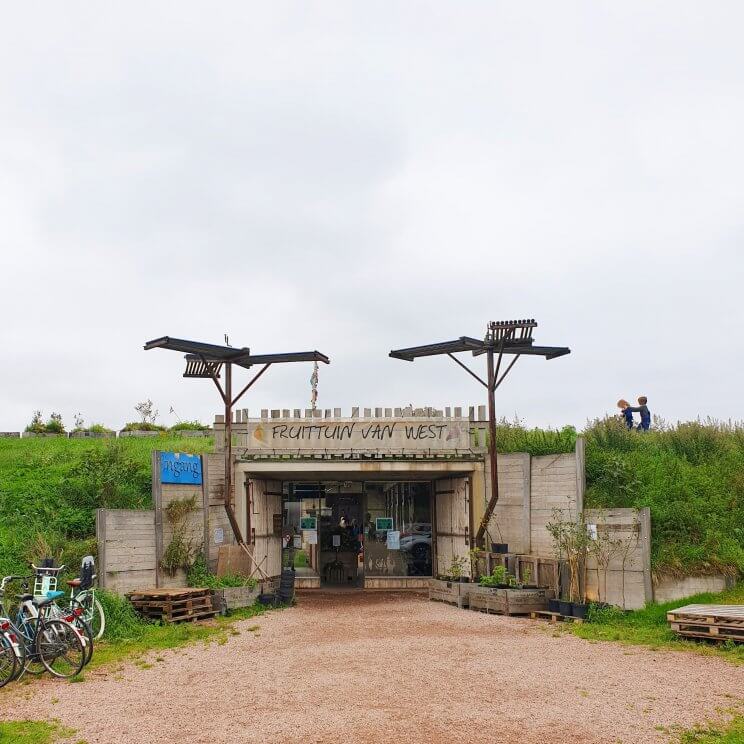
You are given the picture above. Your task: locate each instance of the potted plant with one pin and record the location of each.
(190, 429)
(497, 580)
(52, 428)
(527, 577)
(570, 539)
(147, 426)
(456, 567)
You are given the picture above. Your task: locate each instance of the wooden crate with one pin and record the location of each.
(510, 601)
(173, 605)
(713, 622)
(450, 592)
(489, 600)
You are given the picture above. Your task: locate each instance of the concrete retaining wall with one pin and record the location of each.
(671, 588)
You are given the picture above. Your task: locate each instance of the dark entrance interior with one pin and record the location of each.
(342, 531)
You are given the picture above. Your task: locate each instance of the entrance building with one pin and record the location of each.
(374, 502)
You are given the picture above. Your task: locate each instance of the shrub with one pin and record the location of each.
(37, 424)
(200, 575)
(142, 426)
(189, 426)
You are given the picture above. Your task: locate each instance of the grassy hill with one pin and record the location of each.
(690, 475)
(50, 488)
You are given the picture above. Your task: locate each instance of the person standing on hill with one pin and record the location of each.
(642, 408)
(626, 412)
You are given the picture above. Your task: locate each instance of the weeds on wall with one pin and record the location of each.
(181, 550)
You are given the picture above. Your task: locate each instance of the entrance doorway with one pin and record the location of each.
(339, 532)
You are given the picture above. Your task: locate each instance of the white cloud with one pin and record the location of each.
(356, 177)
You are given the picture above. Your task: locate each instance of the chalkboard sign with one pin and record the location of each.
(176, 467)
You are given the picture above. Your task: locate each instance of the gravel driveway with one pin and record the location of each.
(381, 668)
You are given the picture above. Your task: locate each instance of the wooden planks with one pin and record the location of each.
(712, 622)
(555, 617)
(173, 605)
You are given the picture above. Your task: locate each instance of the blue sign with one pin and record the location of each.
(175, 467)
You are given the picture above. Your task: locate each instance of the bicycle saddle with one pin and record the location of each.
(73, 582)
(44, 602)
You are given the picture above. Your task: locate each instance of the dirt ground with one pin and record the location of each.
(371, 668)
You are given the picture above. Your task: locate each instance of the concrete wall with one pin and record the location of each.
(530, 490)
(671, 588)
(126, 549)
(626, 537)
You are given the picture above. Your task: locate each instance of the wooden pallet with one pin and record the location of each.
(712, 622)
(173, 605)
(555, 617)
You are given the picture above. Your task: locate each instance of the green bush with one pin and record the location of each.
(143, 426)
(189, 426)
(200, 575)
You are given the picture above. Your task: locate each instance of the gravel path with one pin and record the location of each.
(363, 668)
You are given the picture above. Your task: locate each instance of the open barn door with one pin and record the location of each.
(452, 522)
(264, 518)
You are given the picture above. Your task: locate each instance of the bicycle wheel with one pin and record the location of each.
(8, 660)
(75, 614)
(17, 641)
(26, 627)
(93, 613)
(60, 648)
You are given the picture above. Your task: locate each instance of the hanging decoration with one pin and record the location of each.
(314, 387)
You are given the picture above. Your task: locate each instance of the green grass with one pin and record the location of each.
(34, 732)
(52, 487)
(649, 627)
(691, 476)
(731, 733)
(128, 636)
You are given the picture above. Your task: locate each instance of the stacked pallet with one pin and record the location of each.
(713, 622)
(173, 605)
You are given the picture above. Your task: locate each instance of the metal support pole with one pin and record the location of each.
(492, 453)
(228, 455)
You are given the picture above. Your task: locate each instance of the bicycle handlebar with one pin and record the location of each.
(8, 579)
(56, 569)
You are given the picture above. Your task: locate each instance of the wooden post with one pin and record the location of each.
(157, 500)
(205, 506)
(101, 539)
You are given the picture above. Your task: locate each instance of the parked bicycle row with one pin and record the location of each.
(44, 629)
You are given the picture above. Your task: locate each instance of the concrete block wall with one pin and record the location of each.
(126, 549)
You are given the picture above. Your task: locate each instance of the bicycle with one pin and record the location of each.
(52, 642)
(9, 663)
(83, 592)
(45, 585)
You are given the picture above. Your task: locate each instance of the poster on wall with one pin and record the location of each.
(297, 542)
(393, 540)
(383, 523)
(177, 467)
(310, 537)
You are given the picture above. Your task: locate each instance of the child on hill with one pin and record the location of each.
(642, 408)
(626, 411)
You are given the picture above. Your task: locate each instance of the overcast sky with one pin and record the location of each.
(356, 177)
